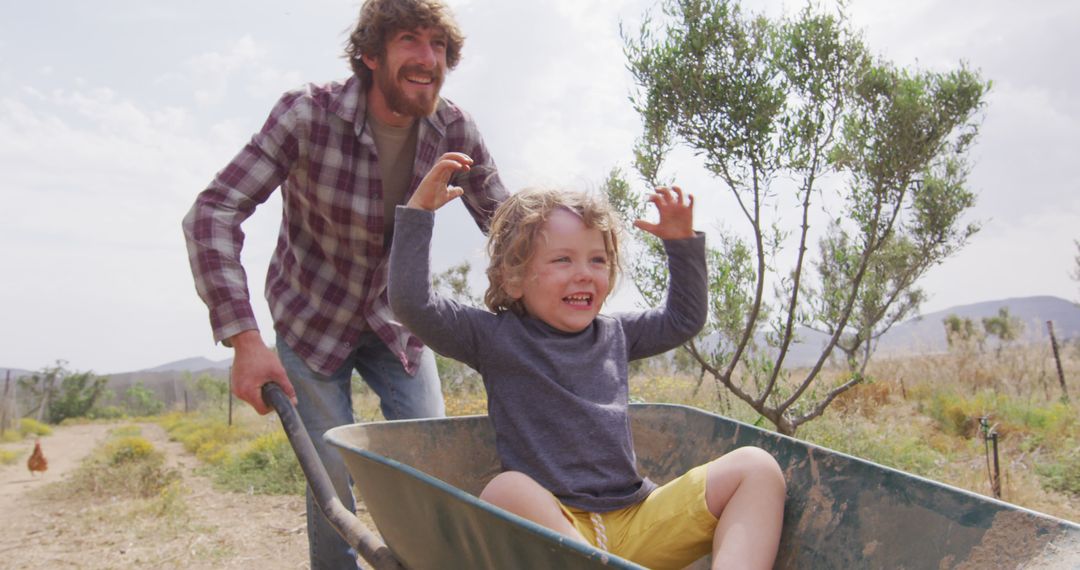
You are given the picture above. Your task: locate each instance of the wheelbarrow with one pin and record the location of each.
(419, 480)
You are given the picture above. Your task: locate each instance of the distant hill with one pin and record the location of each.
(926, 333)
(168, 385)
(15, 373)
(169, 381)
(197, 364)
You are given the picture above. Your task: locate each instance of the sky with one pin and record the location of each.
(114, 114)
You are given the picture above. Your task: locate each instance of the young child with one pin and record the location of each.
(555, 371)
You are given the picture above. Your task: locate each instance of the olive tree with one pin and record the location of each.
(773, 108)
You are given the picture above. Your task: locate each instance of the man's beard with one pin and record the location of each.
(397, 100)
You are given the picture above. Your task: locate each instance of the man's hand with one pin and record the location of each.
(434, 191)
(254, 365)
(676, 216)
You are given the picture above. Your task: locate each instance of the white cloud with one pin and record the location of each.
(246, 62)
(213, 71)
(102, 161)
(100, 183)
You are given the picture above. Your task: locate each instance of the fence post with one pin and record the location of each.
(4, 404)
(1057, 360)
(993, 471)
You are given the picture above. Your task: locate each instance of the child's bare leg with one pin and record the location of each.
(521, 495)
(745, 490)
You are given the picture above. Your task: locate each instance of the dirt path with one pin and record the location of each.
(202, 529)
(64, 449)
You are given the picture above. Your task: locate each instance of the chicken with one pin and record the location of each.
(37, 461)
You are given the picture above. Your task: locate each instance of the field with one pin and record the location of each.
(187, 490)
(917, 414)
(922, 415)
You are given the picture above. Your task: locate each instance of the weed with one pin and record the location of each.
(900, 446)
(955, 414)
(125, 431)
(265, 465)
(169, 502)
(128, 450)
(208, 438)
(239, 458)
(464, 403)
(106, 413)
(663, 388)
(9, 456)
(1063, 475)
(75, 421)
(865, 398)
(127, 466)
(30, 426)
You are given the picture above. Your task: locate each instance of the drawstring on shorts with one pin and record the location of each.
(600, 530)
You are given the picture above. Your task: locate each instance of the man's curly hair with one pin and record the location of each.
(517, 225)
(379, 19)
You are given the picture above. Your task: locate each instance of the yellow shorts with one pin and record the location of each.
(671, 528)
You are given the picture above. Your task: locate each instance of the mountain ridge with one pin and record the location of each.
(924, 333)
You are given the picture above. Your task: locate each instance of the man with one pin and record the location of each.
(344, 155)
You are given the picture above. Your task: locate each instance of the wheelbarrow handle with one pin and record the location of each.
(367, 544)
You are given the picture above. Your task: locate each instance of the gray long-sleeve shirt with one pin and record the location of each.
(557, 400)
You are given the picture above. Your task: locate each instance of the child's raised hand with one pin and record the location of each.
(676, 215)
(434, 191)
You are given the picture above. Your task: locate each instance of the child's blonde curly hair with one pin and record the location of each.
(517, 225)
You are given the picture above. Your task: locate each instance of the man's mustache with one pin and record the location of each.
(417, 70)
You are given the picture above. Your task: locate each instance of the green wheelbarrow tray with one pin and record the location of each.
(419, 480)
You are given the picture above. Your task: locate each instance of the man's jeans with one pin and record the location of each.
(325, 402)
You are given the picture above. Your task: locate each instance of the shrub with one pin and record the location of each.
(954, 414)
(663, 388)
(127, 466)
(265, 465)
(866, 398)
(1063, 475)
(8, 456)
(236, 458)
(141, 401)
(124, 431)
(30, 426)
(76, 396)
(105, 413)
(170, 501)
(129, 449)
(907, 450)
(959, 415)
(204, 437)
(464, 403)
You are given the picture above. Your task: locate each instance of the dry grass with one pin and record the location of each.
(252, 455)
(186, 523)
(126, 466)
(921, 415)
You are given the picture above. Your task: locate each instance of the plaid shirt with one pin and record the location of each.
(327, 278)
